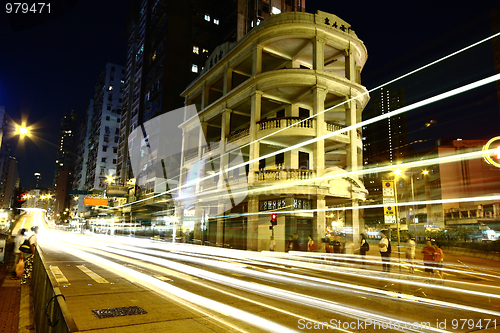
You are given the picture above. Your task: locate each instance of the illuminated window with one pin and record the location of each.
(196, 50)
(207, 17)
(194, 68)
(216, 21)
(110, 88)
(275, 10)
(205, 51)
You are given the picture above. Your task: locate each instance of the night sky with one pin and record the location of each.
(48, 70)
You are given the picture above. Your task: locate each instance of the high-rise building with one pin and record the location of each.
(65, 156)
(7, 197)
(169, 45)
(103, 125)
(386, 141)
(82, 151)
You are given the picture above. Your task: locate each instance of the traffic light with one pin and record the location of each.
(274, 219)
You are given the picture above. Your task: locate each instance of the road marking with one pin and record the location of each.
(238, 275)
(59, 276)
(94, 276)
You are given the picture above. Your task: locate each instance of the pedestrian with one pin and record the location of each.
(311, 246)
(438, 259)
(289, 244)
(328, 246)
(363, 248)
(296, 242)
(18, 241)
(337, 247)
(385, 252)
(428, 252)
(28, 257)
(410, 254)
(272, 244)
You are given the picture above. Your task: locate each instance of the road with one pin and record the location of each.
(270, 291)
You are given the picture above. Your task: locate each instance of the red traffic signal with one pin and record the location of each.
(274, 219)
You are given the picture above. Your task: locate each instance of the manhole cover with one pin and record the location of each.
(118, 312)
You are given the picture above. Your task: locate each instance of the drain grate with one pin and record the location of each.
(118, 312)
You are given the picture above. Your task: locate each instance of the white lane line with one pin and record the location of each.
(59, 276)
(94, 276)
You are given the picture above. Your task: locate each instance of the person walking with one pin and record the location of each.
(410, 254)
(438, 259)
(272, 244)
(28, 257)
(385, 252)
(428, 252)
(18, 241)
(363, 247)
(311, 246)
(289, 244)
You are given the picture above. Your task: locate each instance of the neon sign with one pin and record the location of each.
(496, 152)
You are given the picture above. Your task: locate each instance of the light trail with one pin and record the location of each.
(152, 254)
(169, 290)
(250, 287)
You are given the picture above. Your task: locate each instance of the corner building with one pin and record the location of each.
(267, 93)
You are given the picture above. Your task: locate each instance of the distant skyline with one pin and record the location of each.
(49, 70)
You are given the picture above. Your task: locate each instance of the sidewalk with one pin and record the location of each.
(9, 301)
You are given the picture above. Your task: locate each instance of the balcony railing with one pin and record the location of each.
(212, 146)
(286, 122)
(236, 135)
(284, 174)
(332, 127)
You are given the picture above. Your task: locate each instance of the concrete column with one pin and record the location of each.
(201, 138)
(223, 159)
(319, 95)
(318, 54)
(185, 147)
(350, 64)
(198, 215)
(257, 60)
(228, 80)
(204, 98)
(254, 146)
(221, 209)
(352, 221)
(319, 222)
(253, 223)
(352, 150)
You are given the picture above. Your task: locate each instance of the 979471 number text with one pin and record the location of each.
(25, 8)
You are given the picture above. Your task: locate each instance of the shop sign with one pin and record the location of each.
(271, 204)
(301, 204)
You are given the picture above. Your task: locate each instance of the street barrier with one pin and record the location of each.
(51, 314)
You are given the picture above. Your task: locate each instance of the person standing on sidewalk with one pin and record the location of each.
(28, 258)
(410, 254)
(272, 244)
(384, 252)
(17, 253)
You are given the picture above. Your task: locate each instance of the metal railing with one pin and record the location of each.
(51, 314)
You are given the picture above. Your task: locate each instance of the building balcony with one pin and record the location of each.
(282, 175)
